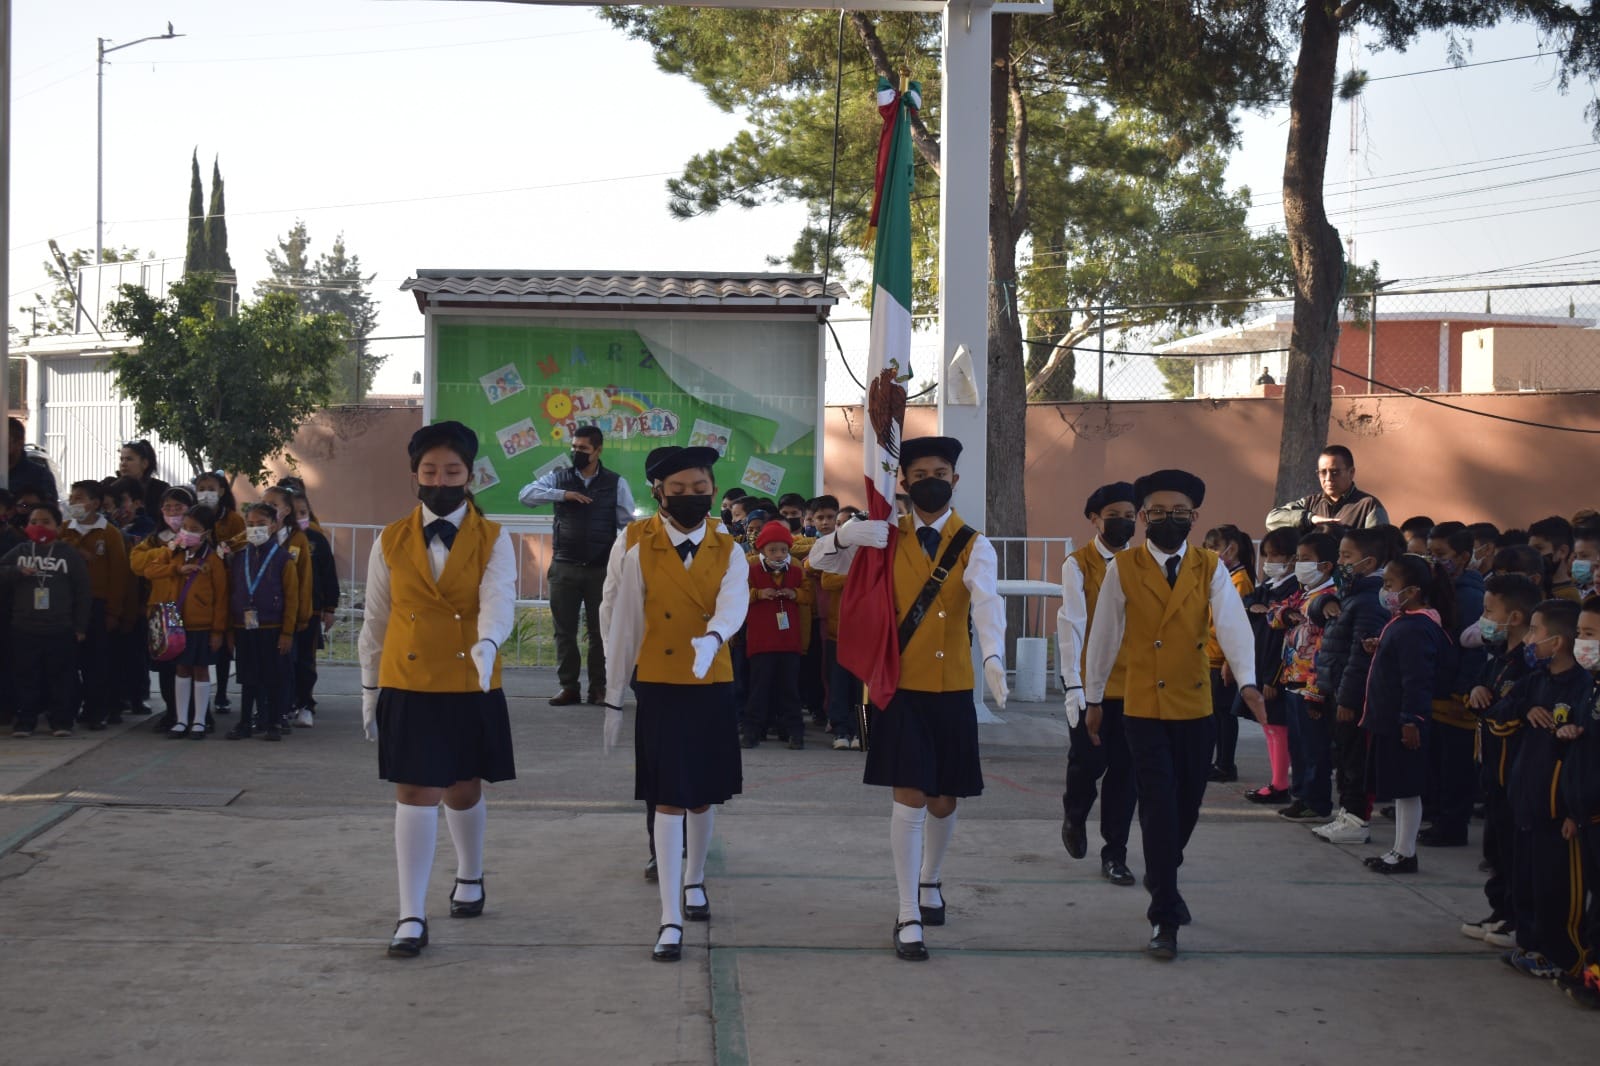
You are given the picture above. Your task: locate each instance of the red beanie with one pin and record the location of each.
(774, 532)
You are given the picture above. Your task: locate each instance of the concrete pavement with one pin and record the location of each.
(150, 915)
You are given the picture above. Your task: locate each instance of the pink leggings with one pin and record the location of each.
(1278, 755)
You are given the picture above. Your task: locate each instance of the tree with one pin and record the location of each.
(332, 284)
(194, 249)
(229, 390)
(217, 260)
(1085, 103)
(1317, 256)
(58, 312)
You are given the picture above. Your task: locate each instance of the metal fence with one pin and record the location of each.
(1526, 337)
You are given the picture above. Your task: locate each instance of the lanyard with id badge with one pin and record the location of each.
(41, 591)
(252, 619)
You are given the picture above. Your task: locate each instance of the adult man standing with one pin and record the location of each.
(591, 504)
(25, 472)
(1339, 502)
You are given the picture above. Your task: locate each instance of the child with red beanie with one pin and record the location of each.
(778, 589)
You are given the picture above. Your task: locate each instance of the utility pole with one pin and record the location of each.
(101, 51)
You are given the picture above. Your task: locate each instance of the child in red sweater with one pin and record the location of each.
(778, 589)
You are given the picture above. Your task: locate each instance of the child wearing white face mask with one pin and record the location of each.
(1308, 717)
(1278, 588)
(264, 587)
(778, 589)
(212, 490)
(190, 573)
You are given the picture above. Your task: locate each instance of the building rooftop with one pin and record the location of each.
(634, 289)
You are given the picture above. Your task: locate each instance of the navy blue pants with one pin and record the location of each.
(96, 696)
(1310, 752)
(1223, 701)
(844, 699)
(1547, 869)
(1452, 777)
(264, 678)
(1499, 837)
(1171, 764)
(1105, 771)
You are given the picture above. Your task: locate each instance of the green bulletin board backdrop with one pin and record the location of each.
(525, 389)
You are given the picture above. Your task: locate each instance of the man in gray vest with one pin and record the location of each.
(591, 504)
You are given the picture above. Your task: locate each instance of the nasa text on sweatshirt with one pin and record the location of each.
(56, 597)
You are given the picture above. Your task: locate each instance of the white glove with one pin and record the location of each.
(862, 533)
(369, 712)
(612, 735)
(994, 672)
(1074, 703)
(705, 650)
(483, 654)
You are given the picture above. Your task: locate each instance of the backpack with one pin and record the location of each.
(166, 637)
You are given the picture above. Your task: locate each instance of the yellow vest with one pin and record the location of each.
(1164, 641)
(939, 657)
(433, 625)
(679, 602)
(1093, 567)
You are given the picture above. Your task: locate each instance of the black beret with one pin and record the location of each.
(664, 462)
(1170, 481)
(1105, 495)
(453, 435)
(946, 448)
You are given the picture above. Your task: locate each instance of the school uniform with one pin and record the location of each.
(1412, 670)
(1452, 746)
(1343, 664)
(1579, 787)
(202, 601)
(773, 643)
(1224, 695)
(664, 587)
(1104, 770)
(1547, 882)
(324, 585)
(264, 586)
(842, 693)
(1271, 631)
(1499, 742)
(48, 610)
(1310, 738)
(436, 585)
(1155, 608)
(106, 553)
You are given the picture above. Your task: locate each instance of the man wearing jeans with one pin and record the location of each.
(591, 504)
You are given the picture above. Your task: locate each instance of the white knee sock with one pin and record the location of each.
(202, 702)
(466, 833)
(697, 828)
(905, 840)
(936, 836)
(1407, 821)
(416, 831)
(669, 873)
(180, 689)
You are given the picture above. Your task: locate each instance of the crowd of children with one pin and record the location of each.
(1439, 671)
(96, 595)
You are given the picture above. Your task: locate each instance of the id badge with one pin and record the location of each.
(783, 620)
(41, 598)
(251, 619)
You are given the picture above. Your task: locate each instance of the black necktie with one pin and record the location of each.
(1173, 562)
(686, 550)
(928, 537)
(441, 529)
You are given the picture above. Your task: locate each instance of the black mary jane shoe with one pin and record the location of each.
(911, 951)
(696, 912)
(931, 915)
(468, 910)
(650, 871)
(408, 947)
(668, 952)
(1406, 865)
(176, 734)
(1116, 872)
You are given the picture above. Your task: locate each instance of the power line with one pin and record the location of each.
(379, 51)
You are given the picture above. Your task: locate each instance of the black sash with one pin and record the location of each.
(930, 591)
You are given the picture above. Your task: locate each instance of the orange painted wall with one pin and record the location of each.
(1407, 354)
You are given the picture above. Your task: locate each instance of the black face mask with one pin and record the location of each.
(687, 511)
(580, 460)
(1168, 534)
(1117, 531)
(931, 495)
(727, 517)
(442, 499)
(794, 525)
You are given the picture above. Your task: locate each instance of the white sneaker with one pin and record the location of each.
(855, 743)
(305, 719)
(1328, 827)
(841, 743)
(1503, 939)
(1347, 829)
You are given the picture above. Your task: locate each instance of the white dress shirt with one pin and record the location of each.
(81, 528)
(545, 491)
(622, 623)
(1111, 617)
(1072, 619)
(497, 594)
(988, 608)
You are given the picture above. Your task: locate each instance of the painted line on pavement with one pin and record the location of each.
(727, 1009)
(55, 814)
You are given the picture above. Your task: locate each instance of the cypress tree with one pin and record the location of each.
(194, 253)
(217, 228)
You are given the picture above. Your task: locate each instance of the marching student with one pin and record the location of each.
(262, 591)
(190, 573)
(1157, 606)
(440, 600)
(677, 590)
(778, 592)
(924, 744)
(106, 552)
(1102, 760)
(50, 599)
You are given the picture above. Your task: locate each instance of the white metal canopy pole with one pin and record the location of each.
(5, 221)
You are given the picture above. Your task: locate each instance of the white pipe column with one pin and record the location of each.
(5, 219)
(964, 239)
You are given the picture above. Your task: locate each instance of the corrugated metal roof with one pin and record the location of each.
(628, 289)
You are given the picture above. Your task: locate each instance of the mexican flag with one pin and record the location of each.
(869, 645)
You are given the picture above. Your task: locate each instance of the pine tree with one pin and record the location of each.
(217, 228)
(333, 283)
(194, 252)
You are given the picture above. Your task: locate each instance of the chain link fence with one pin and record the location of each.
(1527, 337)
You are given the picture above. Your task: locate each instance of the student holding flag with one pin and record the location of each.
(911, 591)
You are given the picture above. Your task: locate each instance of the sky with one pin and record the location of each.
(477, 134)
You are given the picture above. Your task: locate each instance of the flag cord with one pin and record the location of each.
(833, 179)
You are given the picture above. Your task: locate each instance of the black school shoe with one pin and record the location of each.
(1271, 796)
(1116, 872)
(1406, 865)
(1224, 774)
(408, 947)
(931, 915)
(1163, 943)
(909, 950)
(472, 909)
(1075, 838)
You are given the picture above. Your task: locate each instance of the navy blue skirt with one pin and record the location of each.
(926, 741)
(1397, 771)
(686, 744)
(434, 739)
